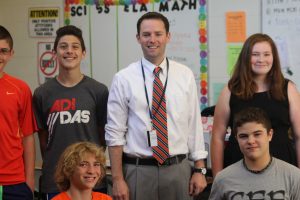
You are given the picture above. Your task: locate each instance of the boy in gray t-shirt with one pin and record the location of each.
(69, 108)
(258, 175)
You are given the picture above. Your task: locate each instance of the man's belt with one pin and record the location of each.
(152, 161)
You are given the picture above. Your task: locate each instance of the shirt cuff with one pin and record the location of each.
(114, 142)
(198, 155)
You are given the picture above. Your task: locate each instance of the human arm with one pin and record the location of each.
(197, 152)
(197, 181)
(29, 160)
(115, 129)
(294, 110)
(221, 118)
(120, 189)
(27, 125)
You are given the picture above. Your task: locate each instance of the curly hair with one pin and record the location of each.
(71, 157)
(242, 83)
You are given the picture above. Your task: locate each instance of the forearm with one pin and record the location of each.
(199, 164)
(120, 189)
(115, 154)
(217, 155)
(296, 133)
(197, 181)
(29, 159)
(294, 111)
(220, 124)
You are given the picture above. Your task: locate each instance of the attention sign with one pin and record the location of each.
(43, 22)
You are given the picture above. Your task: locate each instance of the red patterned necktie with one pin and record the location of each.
(159, 114)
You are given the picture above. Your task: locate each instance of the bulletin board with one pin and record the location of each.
(281, 20)
(109, 29)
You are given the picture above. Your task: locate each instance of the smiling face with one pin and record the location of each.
(5, 55)
(253, 139)
(69, 52)
(261, 58)
(86, 173)
(153, 39)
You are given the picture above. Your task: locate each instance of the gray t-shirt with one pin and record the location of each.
(69, 114)
(280, 181)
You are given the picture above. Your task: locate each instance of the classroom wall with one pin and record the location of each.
(217, 52)
(14, 16)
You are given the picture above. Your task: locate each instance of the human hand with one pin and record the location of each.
(197, 184)
(120, 190)
(30, 183)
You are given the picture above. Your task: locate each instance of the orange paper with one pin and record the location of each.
(235, 26)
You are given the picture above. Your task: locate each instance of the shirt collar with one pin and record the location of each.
(149, 67)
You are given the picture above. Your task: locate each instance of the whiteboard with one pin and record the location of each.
(281, 20)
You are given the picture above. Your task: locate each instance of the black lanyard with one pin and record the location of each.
(164, 90)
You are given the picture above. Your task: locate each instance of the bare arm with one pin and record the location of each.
(29, 160)
(120, 189)
(294, 102)
(221, 118)
(43, 138)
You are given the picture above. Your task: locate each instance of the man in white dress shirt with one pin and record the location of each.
(131, 133)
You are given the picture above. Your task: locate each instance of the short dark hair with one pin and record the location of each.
(5, 35)
(153, 15)
(69, 30)
(251, 114)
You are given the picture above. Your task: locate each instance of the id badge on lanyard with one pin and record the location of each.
(152, 138)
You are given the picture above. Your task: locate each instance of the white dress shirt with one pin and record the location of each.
(128, 118)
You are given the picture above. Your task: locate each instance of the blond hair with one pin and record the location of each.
(71, 157)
